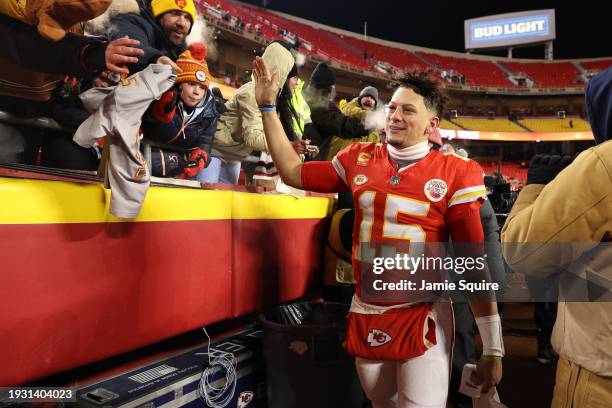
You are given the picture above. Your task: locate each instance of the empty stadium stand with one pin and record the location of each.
(445, 124)
(488, 125)
(397, 57)
(596, 65)
(351, 50)
(555, 124)
(547, 74)
(324, 46)
(475, 72)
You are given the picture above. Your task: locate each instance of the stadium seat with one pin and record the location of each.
(349, 49)
(488, 125)
(555, 124)
(445, 124)
(508, 170)
(397, 57)
(326, 45)
(475, 72)
(547, 74)
(595, 66)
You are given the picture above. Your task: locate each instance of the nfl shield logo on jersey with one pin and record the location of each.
(435, 189)
(378, 338)
(245, 398)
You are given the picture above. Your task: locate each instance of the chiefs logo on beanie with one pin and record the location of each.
(193, 64)
(160, 7)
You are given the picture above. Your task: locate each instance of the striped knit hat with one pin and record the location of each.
(193, 64)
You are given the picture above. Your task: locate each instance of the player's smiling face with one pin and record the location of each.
(408, 120)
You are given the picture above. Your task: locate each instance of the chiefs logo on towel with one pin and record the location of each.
(245, 398)
(378, 338)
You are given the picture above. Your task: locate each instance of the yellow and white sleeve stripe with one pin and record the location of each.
(339, 169)
(467, 195)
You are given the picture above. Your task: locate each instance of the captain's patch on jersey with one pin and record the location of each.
(378, 338)
(435, 190)
(363, 158)
(360, 179)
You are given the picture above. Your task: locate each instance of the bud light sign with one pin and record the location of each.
(506, 30)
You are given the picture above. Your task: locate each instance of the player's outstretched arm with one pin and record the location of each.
(286, 160)
(467, 235)
(489, 367)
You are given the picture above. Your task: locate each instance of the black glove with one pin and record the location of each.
(219, 100)
(220, 105)
(543, 168)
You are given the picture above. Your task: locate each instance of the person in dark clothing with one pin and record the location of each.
(74, 55)
(368, 98)
(284, 107)
(464, 348)
(219, 100)
(32, 66)
(326, 116)
(184, 119)
(161, 27)
(66, 107)
(544, 293)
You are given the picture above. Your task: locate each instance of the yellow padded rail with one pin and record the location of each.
(52, 202)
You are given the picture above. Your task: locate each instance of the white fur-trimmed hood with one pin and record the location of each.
(101, 24)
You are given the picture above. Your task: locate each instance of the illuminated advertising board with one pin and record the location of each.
(511, 29)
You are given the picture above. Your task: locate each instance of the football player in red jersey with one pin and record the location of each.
(403, 193)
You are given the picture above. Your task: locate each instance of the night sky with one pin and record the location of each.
(584, 28)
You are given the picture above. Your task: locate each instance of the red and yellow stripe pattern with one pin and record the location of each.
(80, 285)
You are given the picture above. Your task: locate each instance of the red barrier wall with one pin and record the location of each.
(76, 292)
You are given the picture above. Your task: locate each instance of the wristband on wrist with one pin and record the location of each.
(267, 108)
(491, 358)
(490, 331)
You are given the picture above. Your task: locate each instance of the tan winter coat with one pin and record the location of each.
(574, 209)
(240, 129)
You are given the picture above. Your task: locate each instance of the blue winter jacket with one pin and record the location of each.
(186, 129)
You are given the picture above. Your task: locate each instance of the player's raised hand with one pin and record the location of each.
(266, 83)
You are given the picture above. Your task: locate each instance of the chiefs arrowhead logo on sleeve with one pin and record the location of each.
(378, 338)
(245, 398)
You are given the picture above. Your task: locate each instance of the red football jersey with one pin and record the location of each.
(415, 204)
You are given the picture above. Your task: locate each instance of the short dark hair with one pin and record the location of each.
(430, 89)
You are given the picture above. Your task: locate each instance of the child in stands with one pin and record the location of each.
(183, 122)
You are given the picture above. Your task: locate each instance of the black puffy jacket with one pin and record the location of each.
(144, 28)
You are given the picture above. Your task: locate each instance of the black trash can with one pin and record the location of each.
(306, 365)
